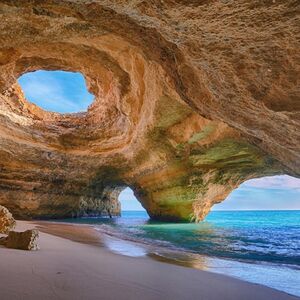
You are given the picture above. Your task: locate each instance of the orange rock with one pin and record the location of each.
(191, 99)
(7, 222)
(27, 240)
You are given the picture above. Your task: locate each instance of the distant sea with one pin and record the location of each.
(257, 246)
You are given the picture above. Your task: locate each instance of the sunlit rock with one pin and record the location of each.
(189, 103)
(7, 222)
(27, 240)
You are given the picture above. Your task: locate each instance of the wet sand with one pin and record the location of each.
(73, 264)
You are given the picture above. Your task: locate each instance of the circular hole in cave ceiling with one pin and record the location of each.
(56, 91)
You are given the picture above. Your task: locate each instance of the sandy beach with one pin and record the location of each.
(77, 267)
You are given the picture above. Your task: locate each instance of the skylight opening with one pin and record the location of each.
(56, 91)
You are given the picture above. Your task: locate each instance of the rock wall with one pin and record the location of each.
(191, 99)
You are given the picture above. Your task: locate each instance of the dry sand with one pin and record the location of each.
(75, 267)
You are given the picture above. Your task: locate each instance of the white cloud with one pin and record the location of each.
(274, 182)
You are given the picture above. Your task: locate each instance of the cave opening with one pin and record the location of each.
(279, 192)
(56, 91)
(129, 203)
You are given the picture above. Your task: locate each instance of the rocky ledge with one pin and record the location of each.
(191, 99)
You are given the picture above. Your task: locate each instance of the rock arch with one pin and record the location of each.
(188, 104)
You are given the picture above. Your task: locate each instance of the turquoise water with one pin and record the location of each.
(268, 236)
(258, 246)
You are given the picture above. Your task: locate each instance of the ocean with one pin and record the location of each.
(257, 246)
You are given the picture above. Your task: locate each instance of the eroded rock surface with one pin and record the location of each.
(191, 99)
(7, 222)
(27, 240)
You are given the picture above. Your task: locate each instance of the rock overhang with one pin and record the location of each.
(180, 126)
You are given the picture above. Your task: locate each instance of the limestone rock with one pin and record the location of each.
(191, 99)
(27, 240)
(7, 222)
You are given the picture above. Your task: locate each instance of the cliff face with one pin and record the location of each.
(191, 99)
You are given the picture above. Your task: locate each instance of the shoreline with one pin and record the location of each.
(264, 273)
(73, 263)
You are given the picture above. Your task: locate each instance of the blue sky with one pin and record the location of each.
(273, 192)
(58, 91)
(66, 92)
(128, 200)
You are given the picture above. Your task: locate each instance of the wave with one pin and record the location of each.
(116, 233)
(166, 248)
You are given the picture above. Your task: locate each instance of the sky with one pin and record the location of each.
(56, 91)
(128, 200)
(266, 193)
(66, 92)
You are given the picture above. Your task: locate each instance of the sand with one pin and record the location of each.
(77, 267)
